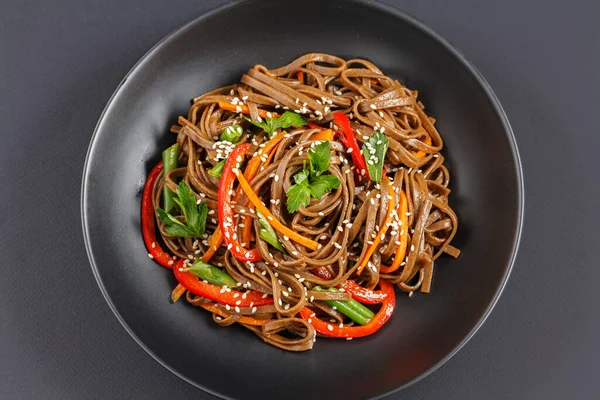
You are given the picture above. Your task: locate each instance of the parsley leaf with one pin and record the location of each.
(322, 184)
(311, 182)
(301, 176)
(374, 151)
(298, 196)
(195, 215)
(270, 125)
(319, 158)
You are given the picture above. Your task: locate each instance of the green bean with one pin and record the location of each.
(170, 158)
(217, 170)
(211, 274)
(352, 309)
(232, 134)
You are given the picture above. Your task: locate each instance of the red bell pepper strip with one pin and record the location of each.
(364, 295)
(148, 223)
(216, 293)
(226, 209)
(350, 142)
(323, 273)
(327, 329)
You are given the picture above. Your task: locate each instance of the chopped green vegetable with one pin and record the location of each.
(311, 182)
(374, 151)
(352, 309)
(268, 234)
(270, 125)
(211, 274)
(319, 185)
(194, 215)
(319, 158)
(232, 134)
(170, 157)
(217, 170)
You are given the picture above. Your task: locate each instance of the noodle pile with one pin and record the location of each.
(346, 222)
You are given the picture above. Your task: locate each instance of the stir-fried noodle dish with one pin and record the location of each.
(296, 201)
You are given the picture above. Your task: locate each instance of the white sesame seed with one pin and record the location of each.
(412, 247)
(329, 327)
(372, 106)
(227, 307)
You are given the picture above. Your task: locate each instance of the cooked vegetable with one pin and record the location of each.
(268, 234)
(374, 151)
(217, 170)
(228, 229)
(194, 215)
(311, 182)
(333, 330)
(232, 134)
(351, 309)
(170, 158)
(270, 125)
(211, 274)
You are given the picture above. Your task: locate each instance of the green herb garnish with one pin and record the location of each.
(270, 125)
(194, 214)
(312, 182)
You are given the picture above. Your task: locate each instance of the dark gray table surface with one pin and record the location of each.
(61, 60)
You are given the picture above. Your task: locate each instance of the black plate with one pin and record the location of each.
(213, 51)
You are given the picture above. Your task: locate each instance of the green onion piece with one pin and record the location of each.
(232, 134)
(267, 233)
(217, 170)
(170, 158)
(351, 309)
(211, 274)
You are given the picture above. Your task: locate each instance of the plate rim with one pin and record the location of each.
(417, 24)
